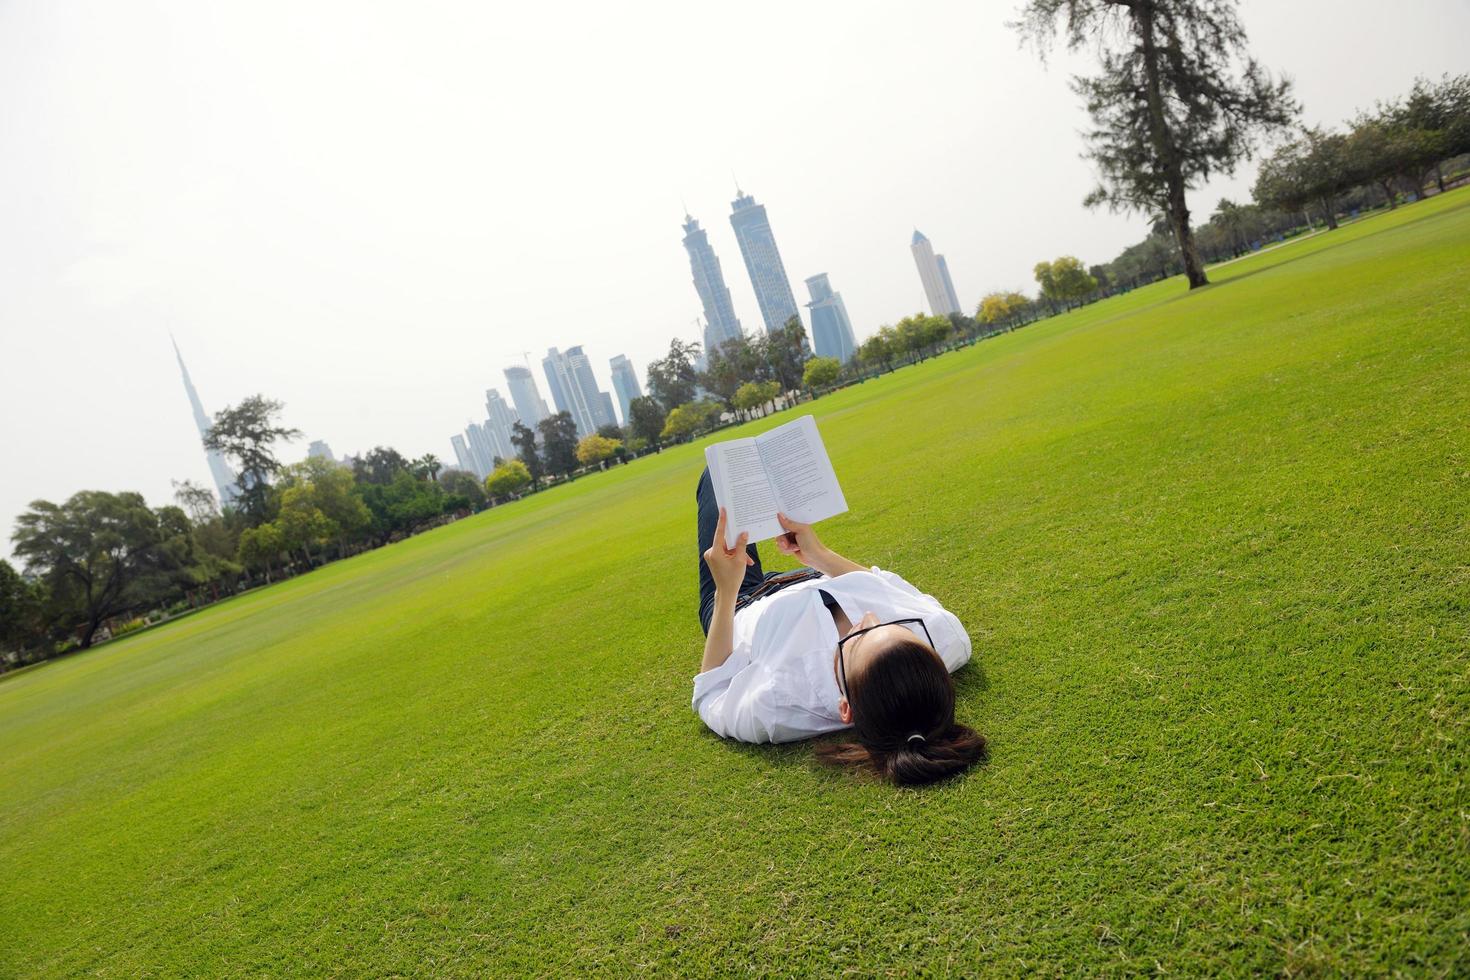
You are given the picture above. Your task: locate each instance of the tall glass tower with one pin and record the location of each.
(934, 274)
(762, 261)
(831, 329)
(529, 405)
(225, 480)
(709, 282)
(625, 383)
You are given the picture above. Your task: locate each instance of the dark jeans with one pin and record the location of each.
(757, 583)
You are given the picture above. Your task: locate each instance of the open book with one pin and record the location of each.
(785, 469)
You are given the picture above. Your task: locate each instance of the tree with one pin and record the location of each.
(821, 372)
(1065, 280)
(1312, 169)
(197, 500)
(1002, 307)
(596, 448)
(672, 378)
(100, 554)
(381, 466)
(685, 420)
(882, 348)
(508, 480)
(464, 491)
(330, 489)
(752, 395)
(1178, 99)
(787, 352)
(730, 364)
(611, 431)
(918, 332)
(261, 546)
(559, 443)
(22, 624)
(247, 434)
(427, 467)
(524, 440)
(302, 523)
(647, 419)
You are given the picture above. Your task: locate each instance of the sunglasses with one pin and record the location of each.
(841, 664)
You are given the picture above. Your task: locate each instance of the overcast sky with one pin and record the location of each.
(368, 210)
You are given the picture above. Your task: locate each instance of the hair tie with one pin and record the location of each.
(916, 735)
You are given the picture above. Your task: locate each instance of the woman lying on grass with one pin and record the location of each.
(790, 655)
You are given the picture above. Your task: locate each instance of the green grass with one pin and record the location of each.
(1213, 552)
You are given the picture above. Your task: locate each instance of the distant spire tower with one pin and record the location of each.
(224, 478)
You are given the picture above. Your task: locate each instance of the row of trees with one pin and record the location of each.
(1398, 148)
(99, 558)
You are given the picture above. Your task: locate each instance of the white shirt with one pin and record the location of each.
(777, 684)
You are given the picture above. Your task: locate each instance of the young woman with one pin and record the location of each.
(790, 655)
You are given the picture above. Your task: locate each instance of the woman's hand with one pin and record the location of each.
(800, 542)
(727, 565)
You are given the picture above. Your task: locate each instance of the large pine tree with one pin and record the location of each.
(1178, 98)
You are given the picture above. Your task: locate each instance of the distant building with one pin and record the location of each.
(831, 329)
(523, 393)
(226, 483)
(934, 274)
(320, 450)
(574, 390)
(625, 383)
(462, 456)
(762, 261)
(709, 282)
(482, 450)
(500, 420)
(954, 299)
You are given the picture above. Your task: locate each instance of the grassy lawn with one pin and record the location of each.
(1214, 554)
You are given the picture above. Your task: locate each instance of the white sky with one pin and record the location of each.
(367, 210)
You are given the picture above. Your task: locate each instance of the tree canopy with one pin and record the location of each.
(247, 433)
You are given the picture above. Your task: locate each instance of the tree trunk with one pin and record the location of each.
(1165, 150)
(1387, 187)
(1329, 211)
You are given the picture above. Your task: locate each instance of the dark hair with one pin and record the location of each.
(903, 692)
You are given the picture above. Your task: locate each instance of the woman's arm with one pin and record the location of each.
(721, 639)
(727, 565)
(801, 542)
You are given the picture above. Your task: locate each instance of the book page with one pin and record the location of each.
(800, 472)
(741, 487)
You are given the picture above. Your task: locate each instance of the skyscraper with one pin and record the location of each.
(954, 299)
(934, 274)
(523, 393)
(481, 449)
(574, 389)
(320, 450)
(625, 383)
(225, 480)
(499, 419)
(462, 454)
(831, 329)
(762, 261)
(709, 281)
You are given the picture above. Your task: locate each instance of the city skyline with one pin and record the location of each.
(270, 206)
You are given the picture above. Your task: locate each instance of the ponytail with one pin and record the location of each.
(912, 764)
